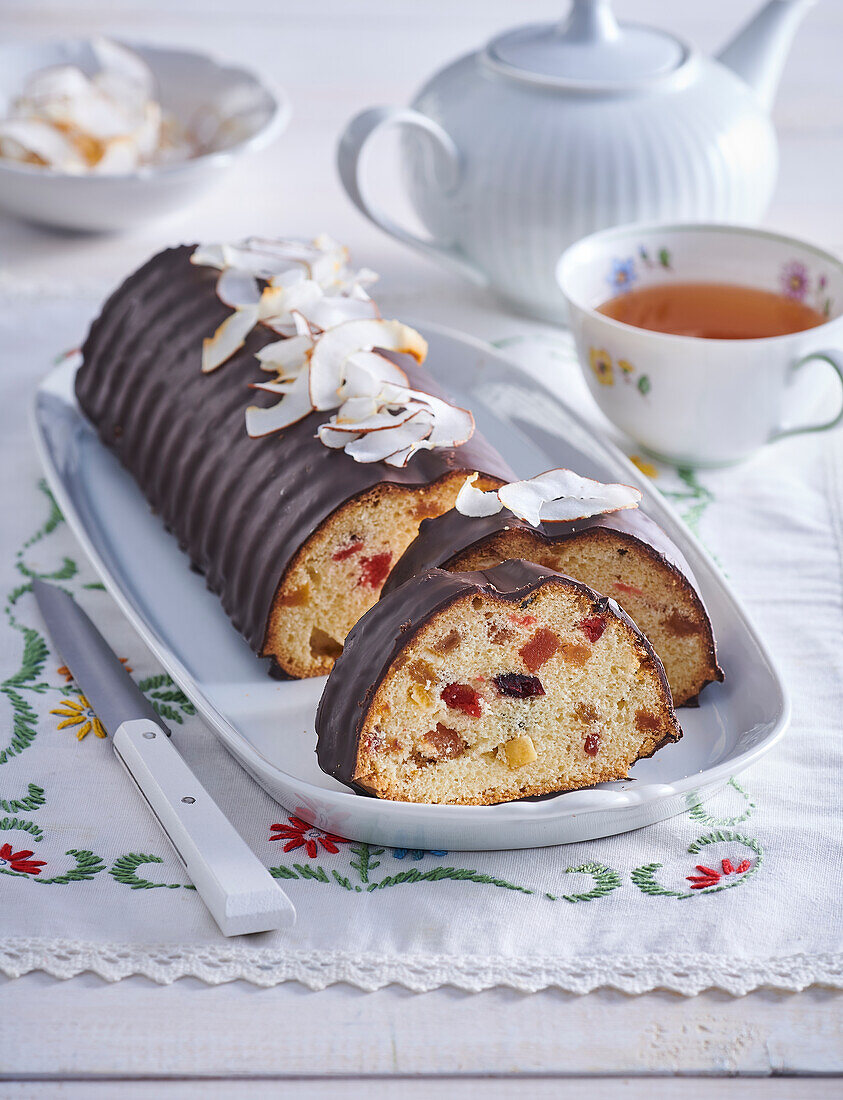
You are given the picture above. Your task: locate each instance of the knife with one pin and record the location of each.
(238, 890)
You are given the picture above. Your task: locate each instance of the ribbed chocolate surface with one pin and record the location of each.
(384, 631)
(442, 538)
(239, 507)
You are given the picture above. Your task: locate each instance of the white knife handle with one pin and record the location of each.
(238, 890)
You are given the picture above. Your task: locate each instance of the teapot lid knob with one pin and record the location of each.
(588, 49)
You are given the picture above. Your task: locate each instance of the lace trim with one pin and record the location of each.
(686, 974)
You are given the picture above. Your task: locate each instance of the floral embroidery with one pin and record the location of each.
(646, 468)
(794, 279)
(299, 834)
(79, 713)
(601, 364)
(623, 274)
(416, 853)
(709, 877)
(20, 861)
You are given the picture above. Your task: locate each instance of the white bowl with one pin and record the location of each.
(186, 81)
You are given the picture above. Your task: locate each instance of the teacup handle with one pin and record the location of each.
(349, 152)
(835, 361)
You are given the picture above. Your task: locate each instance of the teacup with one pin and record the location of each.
(696, 401)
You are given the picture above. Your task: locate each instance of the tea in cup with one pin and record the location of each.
(695, 340)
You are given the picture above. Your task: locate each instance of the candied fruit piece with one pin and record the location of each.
(523, 620)
(422, 672)
(592, 744)
(420, 696)
(374, 569)
(500, 634)
(351, 547)
(441, 744)
(297, 598)
(462, 697)
(540, 648)
(451, 640)
(520, 751)
(587, 712)
(518, 686)
(646, 722)
(576, 652)
(628, 589)
(593, 628)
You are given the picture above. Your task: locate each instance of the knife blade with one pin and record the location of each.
(238, 890)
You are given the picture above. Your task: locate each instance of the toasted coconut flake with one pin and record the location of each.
(379, 446)
(327, 364)
(474, 502)
(237, 288)
(294, 406)
(286, 357)
(560, 495)
(229, 338)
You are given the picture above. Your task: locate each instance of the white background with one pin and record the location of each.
(335, 57)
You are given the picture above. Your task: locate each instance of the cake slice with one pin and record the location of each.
(480, 687)
(623, 554)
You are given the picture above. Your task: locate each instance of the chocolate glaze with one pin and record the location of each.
(239, 507)
(441, 539)
(377, 639)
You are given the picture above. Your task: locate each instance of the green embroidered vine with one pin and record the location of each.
(698, 814)
(606, 879)
(124, 870)
(695, 495)
(32, 800)
(30, 827)
(437, 874)
(365, 861)
(167, 699)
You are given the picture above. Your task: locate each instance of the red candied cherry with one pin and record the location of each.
(462, 697)
(592, 744)
(593, 628)
(346, 551)
(374, 569)
(523, 620)
(628, 589)
(518, 686)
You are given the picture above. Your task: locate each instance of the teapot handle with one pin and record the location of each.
(349, 152)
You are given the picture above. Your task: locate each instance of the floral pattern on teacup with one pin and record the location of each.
(623, 274)
(795, 281)
(661, 258)
(603, 365)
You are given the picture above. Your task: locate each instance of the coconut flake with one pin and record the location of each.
(294, 406)
(229, 338)
(238, 288)
(474, 502)
(286, 357)
(328, 360)
(380, 446)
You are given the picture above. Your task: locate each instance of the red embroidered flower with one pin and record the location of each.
(20, 861)
(299, 834)
(709, 877)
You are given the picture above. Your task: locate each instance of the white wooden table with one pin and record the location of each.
(86, 1038)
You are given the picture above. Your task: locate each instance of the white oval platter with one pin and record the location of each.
(268, 725)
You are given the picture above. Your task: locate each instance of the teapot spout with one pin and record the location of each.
(757, 53)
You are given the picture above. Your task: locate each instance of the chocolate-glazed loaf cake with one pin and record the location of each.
(294, 537)
(624, 555)
(481, 687)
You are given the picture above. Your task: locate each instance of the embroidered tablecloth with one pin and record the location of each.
(741, 893)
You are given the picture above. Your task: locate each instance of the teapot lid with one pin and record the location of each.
(589, 50)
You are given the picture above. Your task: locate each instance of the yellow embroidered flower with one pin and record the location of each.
(626, 366)
(646, 468)
(79, 713)
(601, 364)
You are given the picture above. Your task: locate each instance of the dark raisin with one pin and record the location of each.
(517, 685)
(592, 744)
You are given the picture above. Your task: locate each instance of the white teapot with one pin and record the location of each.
(555, 130)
